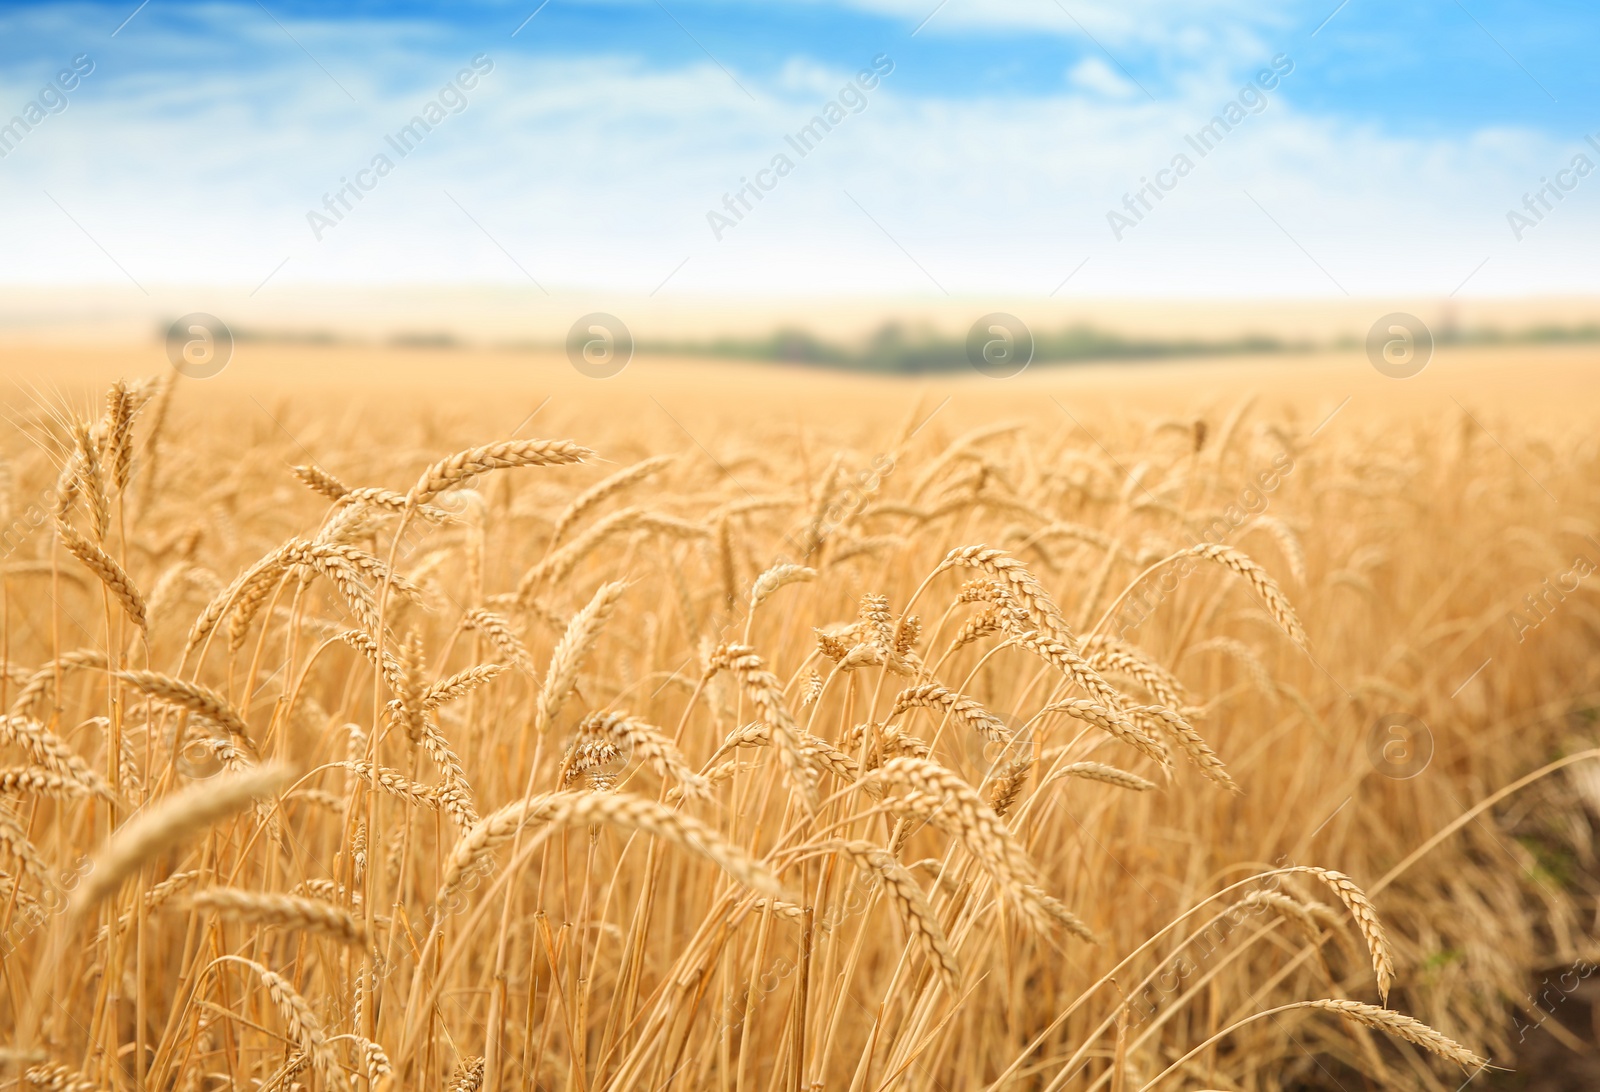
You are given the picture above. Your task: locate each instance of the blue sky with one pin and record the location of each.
(996, 158)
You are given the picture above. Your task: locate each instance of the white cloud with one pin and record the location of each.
(599, 171)
(1093, 74)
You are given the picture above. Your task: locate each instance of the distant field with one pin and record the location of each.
(748, 726)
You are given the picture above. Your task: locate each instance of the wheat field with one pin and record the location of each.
(929, 742)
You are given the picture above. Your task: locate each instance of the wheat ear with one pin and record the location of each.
(908, 898)
(468, 1076)
(499, 630)
(1107, 775)
(1366, 919)
(767, 695)
(1406, 1027)
(567, 658)
(605, 488)
(988, 840)
(652, 747)
(1030, 595)
(195, 698)
(111, 574)
(171, 820)
(968, 711)
(463, 466)
(289, 911)
(1277, 603)
(621, 810)
(777, 577)
(304, 1027)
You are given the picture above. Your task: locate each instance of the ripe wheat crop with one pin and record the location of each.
(593, 762)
